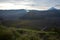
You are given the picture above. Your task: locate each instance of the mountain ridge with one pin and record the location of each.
(33, 18)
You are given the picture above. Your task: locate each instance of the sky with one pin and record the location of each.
(29, 4)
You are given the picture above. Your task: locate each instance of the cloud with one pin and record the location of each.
(2, 1)
(28, 4)
(7, 6)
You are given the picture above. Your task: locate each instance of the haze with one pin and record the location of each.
(29, 4)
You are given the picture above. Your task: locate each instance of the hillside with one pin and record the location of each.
(47, 18)
(12, 14)
(34, 19)
(27, 34)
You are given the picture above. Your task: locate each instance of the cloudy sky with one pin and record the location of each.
(29, 4)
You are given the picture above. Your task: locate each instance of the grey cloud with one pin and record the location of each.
(5, 0)
(34, 2)
(18, 0)
(10, 0)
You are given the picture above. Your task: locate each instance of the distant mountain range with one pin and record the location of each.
(50, 17)
(12, 14)
(32, 14)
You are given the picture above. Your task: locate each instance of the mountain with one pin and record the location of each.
(52, 8)
(40, 19)
(12, 14)
(33, 19)
(34, 14)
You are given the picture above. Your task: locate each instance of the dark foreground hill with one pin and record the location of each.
(27, 34)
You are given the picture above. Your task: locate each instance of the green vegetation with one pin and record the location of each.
(27, 34)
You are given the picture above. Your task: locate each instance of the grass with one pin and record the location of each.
(37, 35)
(26, 34)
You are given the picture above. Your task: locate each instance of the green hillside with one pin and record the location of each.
(27, 34)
